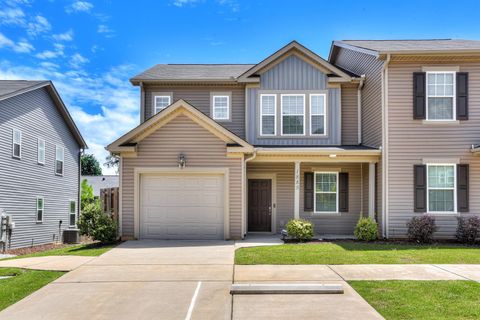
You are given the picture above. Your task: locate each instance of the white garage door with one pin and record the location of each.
(182, 206)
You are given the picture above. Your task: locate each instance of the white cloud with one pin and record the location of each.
(22, 46)
(50, 54)
(105, 30)
(38, 25)
(110, 92)
(79, 6)
(12, 16)
(182, 3)
(66, 36)
(78, 60)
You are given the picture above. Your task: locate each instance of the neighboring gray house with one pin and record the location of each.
(40, 149)
(101, 182)
(383, 129)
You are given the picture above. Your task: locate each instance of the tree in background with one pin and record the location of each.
(112, 162)
(90, 165)
(86, 195)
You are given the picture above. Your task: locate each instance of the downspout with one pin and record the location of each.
(359, 110)
(79, 196)
(244, 169)
(385, 232)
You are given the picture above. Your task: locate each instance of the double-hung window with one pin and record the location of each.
(441, 95)
(221, 107)
(317, 114)
(161, 102)
(40, 209)
(59, 160)
(268, 108)
(73, 213)
(16, 143)
(326, 192)
(41, 151)
(441, 184)
(293, 114)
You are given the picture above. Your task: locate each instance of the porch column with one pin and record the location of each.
(371, 190)
(296, 201)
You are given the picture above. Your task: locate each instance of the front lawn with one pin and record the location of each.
(349, 252)
(422, 299)
(22, 284)
(91, 249)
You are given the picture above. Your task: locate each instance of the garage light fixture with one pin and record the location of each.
(182, 162)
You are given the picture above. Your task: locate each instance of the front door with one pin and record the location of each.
(259, 205)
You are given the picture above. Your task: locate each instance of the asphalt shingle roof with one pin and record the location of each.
(415, 45)
(11, 86)
(193, 72)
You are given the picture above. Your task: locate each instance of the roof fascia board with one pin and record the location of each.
(25, 90)
(355, 48)
(153, 81)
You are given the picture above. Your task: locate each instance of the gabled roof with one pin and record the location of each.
(127, 142)
(292, 47)
(12, 88)
(191, 72)
(420, 46)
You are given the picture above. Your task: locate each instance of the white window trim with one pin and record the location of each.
(274, 115)
(155, 102)
(454, 188)
(40, 161)
(13, 144)
(63, 160)
(281, 114)
(324, 114)
(315, 193)
(72, 213)
(213, 106)
(43, 209)
(454, 103)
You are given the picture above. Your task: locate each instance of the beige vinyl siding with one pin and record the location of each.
(411, 140)
(349, 115)
(341, 224)
(201, 149)
(368, 65)
(200, 98)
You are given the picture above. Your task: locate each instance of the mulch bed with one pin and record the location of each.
(28, 250)
(390, 242)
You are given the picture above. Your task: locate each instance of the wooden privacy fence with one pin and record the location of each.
(109, 197)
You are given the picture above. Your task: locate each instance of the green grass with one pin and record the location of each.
(92, 249)
(422, 299)
(24, 283)
(357, 253)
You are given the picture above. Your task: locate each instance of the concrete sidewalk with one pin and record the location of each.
(52, 263)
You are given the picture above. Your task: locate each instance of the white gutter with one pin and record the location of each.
(244, 189)
(359, 106)
(385, 147)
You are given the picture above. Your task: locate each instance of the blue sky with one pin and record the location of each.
(91, 48)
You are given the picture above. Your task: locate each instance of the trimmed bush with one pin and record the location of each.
(421, 229)
(468, 229)
(301, 230)
(96, 224)
(366, 229)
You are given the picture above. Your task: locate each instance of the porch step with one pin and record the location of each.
(299, 288)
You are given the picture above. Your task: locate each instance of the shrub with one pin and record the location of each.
(366, 229)
(421, 229)
(96, 224)
(299, 229)
(468, 229)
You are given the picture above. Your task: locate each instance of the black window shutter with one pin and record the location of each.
(420, 188)
(308, 191)
(462, 95)
(462, 188)
(419, 96)
(343, 192)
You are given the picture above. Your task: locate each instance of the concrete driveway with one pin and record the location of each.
(182, 280)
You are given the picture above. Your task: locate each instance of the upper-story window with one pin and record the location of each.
(59, 160)
(161, 102)
(221, 107)
(268, 107)
(16, 143)
(441, 95)
(41, 151)
(317, 114)
(293, 114)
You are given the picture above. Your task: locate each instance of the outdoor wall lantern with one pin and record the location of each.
(182, 162)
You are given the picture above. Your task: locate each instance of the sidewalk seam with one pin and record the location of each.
(461, 276)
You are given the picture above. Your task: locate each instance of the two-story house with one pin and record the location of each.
(40, 149)
(226, 150)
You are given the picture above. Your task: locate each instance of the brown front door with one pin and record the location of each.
(259, 205)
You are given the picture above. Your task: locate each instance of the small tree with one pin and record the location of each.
(86, 195)
(90, 165)
(96, 224)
